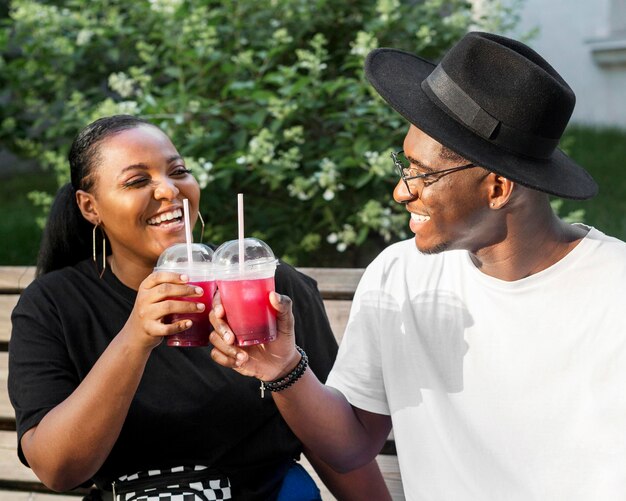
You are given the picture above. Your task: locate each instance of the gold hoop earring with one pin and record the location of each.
(104, 250)
(202, 223)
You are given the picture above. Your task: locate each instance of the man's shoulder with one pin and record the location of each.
(611, 242)
(604, 247)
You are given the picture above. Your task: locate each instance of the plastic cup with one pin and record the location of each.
(200, 272)
(244, 290)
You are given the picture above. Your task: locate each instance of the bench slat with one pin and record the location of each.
(335, 283)
(7, 303)
(338, 311)
(7, 416)
(14, 279)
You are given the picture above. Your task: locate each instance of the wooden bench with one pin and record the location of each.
(337, 286)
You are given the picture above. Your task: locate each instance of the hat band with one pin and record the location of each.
(452, 99)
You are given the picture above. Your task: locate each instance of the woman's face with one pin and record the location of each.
(140, 183)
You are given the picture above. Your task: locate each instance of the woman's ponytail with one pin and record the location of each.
(65, 238)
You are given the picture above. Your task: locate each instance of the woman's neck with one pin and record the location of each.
(130, 273)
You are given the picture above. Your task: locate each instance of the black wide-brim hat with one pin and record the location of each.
(492, 100)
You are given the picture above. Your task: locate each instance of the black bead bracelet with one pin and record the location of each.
(289, 379)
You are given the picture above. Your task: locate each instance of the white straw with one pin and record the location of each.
(187, 230)
(240, 225)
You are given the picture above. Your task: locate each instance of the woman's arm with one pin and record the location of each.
(72, 441)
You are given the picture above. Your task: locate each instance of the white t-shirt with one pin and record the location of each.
(497, 390)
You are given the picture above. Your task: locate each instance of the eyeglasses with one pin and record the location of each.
(408, 173)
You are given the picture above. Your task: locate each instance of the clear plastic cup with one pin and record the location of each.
(201, 274)
(244, 290)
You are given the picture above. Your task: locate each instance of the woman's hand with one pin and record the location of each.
(156, 298)
(267, 361)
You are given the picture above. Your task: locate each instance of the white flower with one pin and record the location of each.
(388, 10)
(128, 108)
(364, 43)
(122, 84)
(84, 37)
(262, 147)
(168, 7)
(332, 238)
(203, 179)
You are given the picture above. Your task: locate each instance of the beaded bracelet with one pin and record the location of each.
(289, 379)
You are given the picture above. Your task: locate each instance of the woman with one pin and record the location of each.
(98, 396)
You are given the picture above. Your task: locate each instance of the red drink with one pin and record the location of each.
(248, 310)
(198, 333)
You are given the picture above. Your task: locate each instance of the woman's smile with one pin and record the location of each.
(167, 219)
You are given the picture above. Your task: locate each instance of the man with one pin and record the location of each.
(498, 352)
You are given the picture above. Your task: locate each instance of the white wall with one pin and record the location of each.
(570, 32)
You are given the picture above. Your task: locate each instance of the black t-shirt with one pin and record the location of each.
(187, 409)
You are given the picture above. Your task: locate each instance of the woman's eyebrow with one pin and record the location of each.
(174, 158)
(143, 166)
(134, 166)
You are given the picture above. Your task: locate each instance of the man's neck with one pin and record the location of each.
(532, 244)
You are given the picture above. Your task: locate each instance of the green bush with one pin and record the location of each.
(264, 97)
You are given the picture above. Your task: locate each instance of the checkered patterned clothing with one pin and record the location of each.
(181, 483)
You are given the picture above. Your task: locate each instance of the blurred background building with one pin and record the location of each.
(585, 40)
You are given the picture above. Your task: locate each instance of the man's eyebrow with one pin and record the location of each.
(419, 164)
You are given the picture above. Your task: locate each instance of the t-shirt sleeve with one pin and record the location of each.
(357, 372)
(313, 332)
(41, 374)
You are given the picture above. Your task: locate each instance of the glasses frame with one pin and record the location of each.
(406, 179)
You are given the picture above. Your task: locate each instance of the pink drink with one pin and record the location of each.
(248, 310)
(198, 333)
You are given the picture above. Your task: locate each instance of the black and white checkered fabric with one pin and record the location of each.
(168, 488)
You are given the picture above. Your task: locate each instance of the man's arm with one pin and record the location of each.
(342, 436)
(362, 484)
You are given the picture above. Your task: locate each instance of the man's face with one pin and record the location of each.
(447, 210)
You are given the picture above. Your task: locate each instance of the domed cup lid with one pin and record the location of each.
(176, 258)
(258, 260)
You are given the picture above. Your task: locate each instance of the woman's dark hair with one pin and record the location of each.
(67, 237)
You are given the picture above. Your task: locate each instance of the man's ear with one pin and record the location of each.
(88, 207)
(500, 191)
